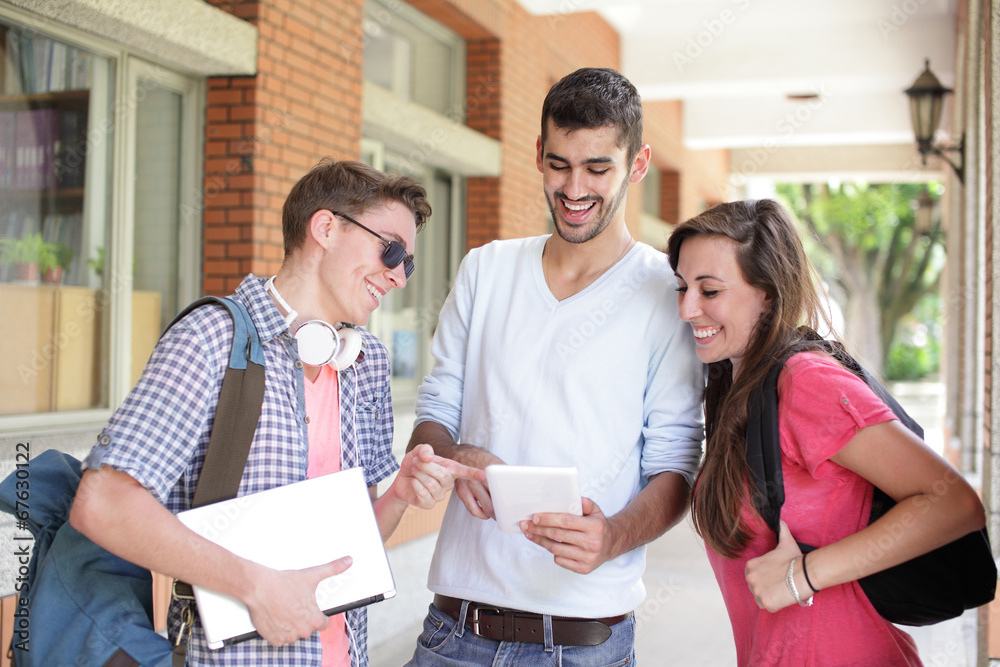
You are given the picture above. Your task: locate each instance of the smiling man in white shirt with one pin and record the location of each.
(562, 350)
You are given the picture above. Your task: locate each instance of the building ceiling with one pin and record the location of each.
(816, 84)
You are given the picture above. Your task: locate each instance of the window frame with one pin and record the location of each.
(381, 12)
(124, 72)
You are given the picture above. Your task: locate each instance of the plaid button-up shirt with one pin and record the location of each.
(159, 436)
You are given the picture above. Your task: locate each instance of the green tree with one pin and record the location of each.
(874, 245)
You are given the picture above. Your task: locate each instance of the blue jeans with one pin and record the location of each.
(446, 641)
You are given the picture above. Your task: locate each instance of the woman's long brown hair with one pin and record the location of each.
(771, 258)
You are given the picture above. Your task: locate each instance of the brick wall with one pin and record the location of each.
(472, 19)
(484, 79)
(670, 196)
(264, 132)
(700, 177)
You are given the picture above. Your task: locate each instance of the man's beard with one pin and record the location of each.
(582, 235)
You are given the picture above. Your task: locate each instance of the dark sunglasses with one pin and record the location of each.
(393, 252)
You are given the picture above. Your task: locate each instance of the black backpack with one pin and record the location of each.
(931, 588)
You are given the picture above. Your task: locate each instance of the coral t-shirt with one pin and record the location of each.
(323, 409)
(821, 406)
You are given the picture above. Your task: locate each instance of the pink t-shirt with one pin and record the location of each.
(821, 406)
(323, 409)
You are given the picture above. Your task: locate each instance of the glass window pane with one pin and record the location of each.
(412, 56)
(157, 211)
(388, 58)
(406, 319)
(157, 195)
(55, 143)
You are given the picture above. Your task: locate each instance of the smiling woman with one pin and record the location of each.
(721, 306)
(745, 286)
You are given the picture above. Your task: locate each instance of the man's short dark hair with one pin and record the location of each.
(347, 187)
(594, 97)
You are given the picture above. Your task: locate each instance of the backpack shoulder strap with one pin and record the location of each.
(764, 445)
(881, 501)
(238, 409)
(764, 449)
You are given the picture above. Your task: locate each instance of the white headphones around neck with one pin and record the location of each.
(320, 343)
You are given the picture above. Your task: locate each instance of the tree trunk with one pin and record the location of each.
(863, 333)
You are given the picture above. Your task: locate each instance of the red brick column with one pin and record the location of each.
(483, 114)
(670, 196)
(264, 132)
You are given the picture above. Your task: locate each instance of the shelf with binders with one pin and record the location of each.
(43, 141)
(45, 94)
(59, 197)
(65, 98)
(35, 63)
(42, 159)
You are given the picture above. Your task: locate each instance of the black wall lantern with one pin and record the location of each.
(926, 102)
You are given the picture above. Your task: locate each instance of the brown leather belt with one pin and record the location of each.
(511, 625)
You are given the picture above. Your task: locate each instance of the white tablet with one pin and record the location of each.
(520, 491)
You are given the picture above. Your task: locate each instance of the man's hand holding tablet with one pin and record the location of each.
(520, 492)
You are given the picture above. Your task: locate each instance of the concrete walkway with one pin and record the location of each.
(683, 620)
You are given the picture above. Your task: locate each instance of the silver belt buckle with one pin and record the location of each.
(475, 616)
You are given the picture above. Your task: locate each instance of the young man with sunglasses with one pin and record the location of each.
(349, 232)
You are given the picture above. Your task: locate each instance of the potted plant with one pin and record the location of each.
(24, 255)
(97, 263)
(55, 262)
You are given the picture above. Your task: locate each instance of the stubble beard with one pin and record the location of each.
(573, 235)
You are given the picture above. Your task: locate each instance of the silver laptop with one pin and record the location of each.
(292, 527)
